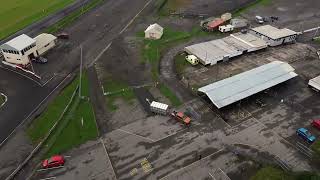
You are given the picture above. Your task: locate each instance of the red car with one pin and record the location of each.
(54, 161)
(316, 123)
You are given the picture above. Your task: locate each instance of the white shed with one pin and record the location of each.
(159, 108)
(45, 42)
(154, 31)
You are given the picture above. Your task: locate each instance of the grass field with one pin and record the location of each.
(118, 89)
(17, 14)
(72, 17)
(256, 3)
(77, 125)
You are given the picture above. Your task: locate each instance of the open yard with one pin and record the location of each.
(16, 14)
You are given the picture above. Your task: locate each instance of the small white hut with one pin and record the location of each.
(154, 31)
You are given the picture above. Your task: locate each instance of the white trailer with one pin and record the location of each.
(159, 108)
(226, 28)
(315, 83)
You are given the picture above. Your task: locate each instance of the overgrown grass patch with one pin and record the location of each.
(73, 16)
(165, 7)
(170, 95)
(316, 148)
(42, 124)
(181, 63)
(17, 14)
(117, 89)
(275, 173)
(254, 4)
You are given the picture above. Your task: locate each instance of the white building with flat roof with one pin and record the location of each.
(154, 31)
(19, 50)
(274, 36)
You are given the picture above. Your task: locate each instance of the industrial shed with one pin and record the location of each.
(45, 42)
(219, 50)
(274, 36)
(238, 87)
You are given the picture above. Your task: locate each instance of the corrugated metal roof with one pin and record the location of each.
(20, 42)
(159, 105)
(44, 39)
(273, 32)
(235, 88)
(315, 82)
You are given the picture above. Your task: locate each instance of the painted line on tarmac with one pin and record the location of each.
(173, 172)
(101, 53)
(48, 178)
(5, 99)
(107, 154)
(175, 133)
(224, 174)
(35, 109)
(47, 169)
(54, 75)
(135, 17)
(22, 75)
(136, 135)
(212, 176)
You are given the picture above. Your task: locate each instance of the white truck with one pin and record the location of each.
(159, 108)
(226, 28)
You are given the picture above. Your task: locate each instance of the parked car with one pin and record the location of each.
(40, 60)
(259, 19)
(63, 35)
(305, 134)
(316, 124)
(54, 161)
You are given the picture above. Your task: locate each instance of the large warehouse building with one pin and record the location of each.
(315, 83)
(238, 87)
(215, 51)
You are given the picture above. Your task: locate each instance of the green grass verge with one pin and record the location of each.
(17, 14)
(170, 95)
(117, 89)
(76, 127)
(316, 148)
(42, 124)
(273, 173)
(254, 4)
(167, 6)
(72, 17)
(153, 49)
(180, 63)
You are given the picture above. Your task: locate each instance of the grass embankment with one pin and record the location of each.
(254, 4)
(77, 125)
(316, 148)
(17, 14)
(180, 63)
(117, 89)
(273, 173)
(73, 16)
(153, 49)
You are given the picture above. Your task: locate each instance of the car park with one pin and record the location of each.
(316, 124)
(305, 134)
(54, 161)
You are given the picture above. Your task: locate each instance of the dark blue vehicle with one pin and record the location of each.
(304, 133)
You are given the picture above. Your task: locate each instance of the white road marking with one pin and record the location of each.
(101, 53)
(5, 99)
(105, 149)
(224, 174)
(212, 176)
(48, 178)
(312, 29)
(135, 17)
(173, 172)
(136, 135)
(54, 75)
(22, 75)
(35, 109)
(39, 170)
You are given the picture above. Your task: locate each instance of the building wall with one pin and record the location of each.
(153, 35)
(19, 58)
(45, 48)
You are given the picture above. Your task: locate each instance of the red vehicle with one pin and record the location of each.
(180, 116)
(54, 161)
(316, 124)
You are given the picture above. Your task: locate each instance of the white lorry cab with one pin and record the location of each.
(159, 108)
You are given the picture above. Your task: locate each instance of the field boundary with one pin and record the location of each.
(15, 172)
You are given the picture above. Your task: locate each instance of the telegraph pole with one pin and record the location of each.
(80, 80)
